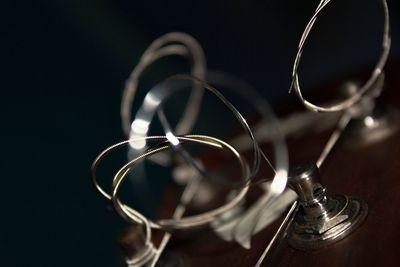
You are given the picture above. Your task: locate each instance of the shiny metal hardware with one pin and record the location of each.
(135, 246)
(380, 123)
(370, 121)
(322, 219)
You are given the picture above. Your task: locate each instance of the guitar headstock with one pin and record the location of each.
(234, 193)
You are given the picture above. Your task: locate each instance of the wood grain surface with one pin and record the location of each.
(369, 171)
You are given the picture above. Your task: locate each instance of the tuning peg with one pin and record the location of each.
(136, 249)
(322, 219)
(371, 121)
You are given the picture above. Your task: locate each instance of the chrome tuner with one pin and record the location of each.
(371, 121)
(380, 123)
(322, 219)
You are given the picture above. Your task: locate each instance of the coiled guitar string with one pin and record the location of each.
(205, 218)
(194, 220)
(174, 43)
(156, 96)
(158, 49)
(342, 106)
(132, 215)
(164, 47)
(148, 251)
(177, 43)
(281, 157)
(248, 94)
(352, 99)
(176, 49)
(167, 224)
(170, 44)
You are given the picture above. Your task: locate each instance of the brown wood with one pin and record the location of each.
(370, 172)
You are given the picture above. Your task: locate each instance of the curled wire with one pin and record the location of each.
(153, 102)
(174, 43)
(182, 44)
(351, 100)
(134, 216)
(156, 96)
(268, 118)
(148, 251)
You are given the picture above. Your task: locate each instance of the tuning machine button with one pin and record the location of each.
(322, 219)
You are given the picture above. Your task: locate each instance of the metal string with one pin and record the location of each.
(341, 125)
(155, 97)
(162, 47)
(249, 94)
(345, 105)
(287, 221)
(351, 100)
(134, 216)
(190, 221)
(131, 214)
(156, 51)
(153, 101)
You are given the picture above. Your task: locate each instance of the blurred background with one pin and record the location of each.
(64, 67)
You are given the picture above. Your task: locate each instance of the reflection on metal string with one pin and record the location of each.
(170, 224)
(279, 182)
(135, 217)
(178, 82)
(276, 188)
(240, 225)
(269, 121)
(351, 100)
(288, 218)
(151, 103)
(344, 105)
(341, 125)
(166, 46)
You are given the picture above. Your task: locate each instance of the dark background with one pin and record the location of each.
(64, 67)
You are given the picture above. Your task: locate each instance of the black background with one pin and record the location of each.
(64, 67)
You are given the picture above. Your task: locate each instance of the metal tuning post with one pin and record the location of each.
(322, 219)
(136, 249)
(371, 121)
